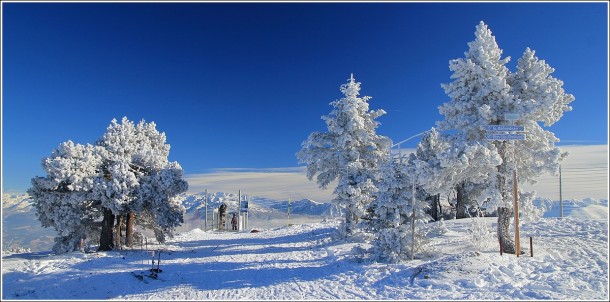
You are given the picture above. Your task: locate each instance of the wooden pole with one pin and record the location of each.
(413, 219)
(517, 245)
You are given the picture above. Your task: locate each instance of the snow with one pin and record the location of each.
(310, 261)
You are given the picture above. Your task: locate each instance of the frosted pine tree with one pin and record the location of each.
(139, 177)
(127, 171)
(482, 92)
(392, 211)
(63, 199)
(349, 152)
(540, 99)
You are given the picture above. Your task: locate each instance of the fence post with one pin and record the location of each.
(531, 247)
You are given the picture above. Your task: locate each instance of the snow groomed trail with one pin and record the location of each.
(308, 262)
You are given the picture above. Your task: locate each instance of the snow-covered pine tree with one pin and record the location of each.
(126, 171)
(480, 95)
(350, 151)
(140, 178)
(392, 211)
(63, 199)
(482, 92)
(428, 149)
(478, 90)
(398, 223)
(539, 98)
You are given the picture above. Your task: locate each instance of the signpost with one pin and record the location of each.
(501, 132)
(244, 211)
(505, 136)
(504, 128)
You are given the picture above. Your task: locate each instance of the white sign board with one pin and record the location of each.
(512, 116)
(505, 136)
(504, 128)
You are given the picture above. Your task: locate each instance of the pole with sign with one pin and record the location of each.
(507, 132)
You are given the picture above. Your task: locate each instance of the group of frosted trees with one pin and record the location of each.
(124, 179)
(388, 195)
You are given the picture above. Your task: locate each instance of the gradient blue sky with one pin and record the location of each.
(241, 85)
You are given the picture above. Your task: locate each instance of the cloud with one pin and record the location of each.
(276, 183)
(584, 174)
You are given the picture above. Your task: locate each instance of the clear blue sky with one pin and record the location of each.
(241, 85)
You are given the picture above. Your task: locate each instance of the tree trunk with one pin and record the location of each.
(434, 206)
(349, 220)
(119, 232)
(504, 238)
(460, 206)
(106, 240)
(131, 217)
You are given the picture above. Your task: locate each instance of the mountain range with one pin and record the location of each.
(20, 227)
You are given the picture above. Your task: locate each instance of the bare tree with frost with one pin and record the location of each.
(349, 152)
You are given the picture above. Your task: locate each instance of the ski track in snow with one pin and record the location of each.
(305, 262)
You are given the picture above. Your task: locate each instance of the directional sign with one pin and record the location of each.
(511, 116)
(504, 128)
(505, 136)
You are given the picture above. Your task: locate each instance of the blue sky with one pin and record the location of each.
(241, 85)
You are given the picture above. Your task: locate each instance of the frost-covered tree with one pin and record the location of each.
(127, 171)
(400, 212)
(482, 92)
(479, 96)
(349, 152)
(392, 210)
(539, 99)
(139, 177)
(64, 198)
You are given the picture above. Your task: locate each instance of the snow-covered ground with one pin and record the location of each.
(310, 262)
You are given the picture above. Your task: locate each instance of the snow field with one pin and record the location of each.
(310, 262)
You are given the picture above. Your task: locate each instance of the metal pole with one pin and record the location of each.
(206, 210)
(560, 197)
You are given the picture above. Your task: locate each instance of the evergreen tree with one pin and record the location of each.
(126, 172)
(482, 92)
(350, 151)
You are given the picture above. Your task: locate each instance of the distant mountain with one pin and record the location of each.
(309, 207)
(21, 228)
(258, 205)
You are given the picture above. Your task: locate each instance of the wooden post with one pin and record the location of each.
(413, 219)
(517, 245)
(531, 247)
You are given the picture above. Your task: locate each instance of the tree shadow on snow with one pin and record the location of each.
(111, 275)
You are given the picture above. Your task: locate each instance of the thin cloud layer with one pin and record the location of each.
(275, 183)
(584, 174)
